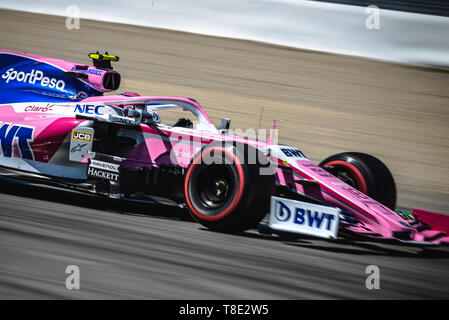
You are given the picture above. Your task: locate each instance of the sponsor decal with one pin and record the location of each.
(282, 212)
(313, 218)
(33, 77)
(78, 147)
(81, 135)
(103, 170)
(81, 95)
(287, 154)
(292, 152)
(302, 217)
(88, 109)
(102, 174)
(87, 71)
(47, 108)
(104, 165)
(22, 134)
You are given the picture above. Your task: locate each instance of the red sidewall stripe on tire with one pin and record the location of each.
(359, 179)
(238, 195)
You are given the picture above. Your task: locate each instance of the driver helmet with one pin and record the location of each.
(156, 116)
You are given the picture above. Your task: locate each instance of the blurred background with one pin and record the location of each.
(341, 75)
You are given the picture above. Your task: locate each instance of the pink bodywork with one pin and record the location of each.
(375, 220)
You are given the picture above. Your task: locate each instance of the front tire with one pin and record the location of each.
(224, 191)
(366, 173)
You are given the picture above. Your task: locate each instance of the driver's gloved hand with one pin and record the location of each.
(183, 122)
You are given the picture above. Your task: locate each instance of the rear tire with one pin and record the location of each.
(366, 173)
(224, 191)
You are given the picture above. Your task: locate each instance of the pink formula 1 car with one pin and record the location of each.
(57, 127)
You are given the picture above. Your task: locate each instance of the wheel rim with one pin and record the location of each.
(215, 186)
(224, 206)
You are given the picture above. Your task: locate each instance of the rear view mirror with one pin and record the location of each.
(225, 124)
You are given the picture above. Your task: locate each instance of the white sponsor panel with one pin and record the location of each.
(104, 165)
(80, 143)
(304, 218)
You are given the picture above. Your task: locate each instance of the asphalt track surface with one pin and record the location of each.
(328, 103)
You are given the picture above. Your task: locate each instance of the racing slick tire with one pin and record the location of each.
(224, 188)
(366, 173)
